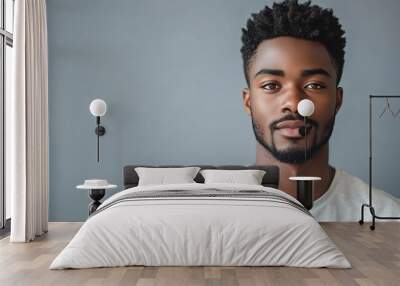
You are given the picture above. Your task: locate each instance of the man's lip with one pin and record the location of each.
(290, 133)
(290, 124)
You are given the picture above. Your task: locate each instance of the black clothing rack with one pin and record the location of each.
(369, 205)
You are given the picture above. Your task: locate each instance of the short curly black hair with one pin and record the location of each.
(289, 18)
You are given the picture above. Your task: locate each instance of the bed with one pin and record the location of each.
(201, 224)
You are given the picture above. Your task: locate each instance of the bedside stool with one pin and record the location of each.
(97, 189)
(305, 190)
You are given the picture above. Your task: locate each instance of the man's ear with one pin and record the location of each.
(246, 100)
(339, 99)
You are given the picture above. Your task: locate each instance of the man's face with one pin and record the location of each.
(282, 72)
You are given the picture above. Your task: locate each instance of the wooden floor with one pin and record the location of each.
(374, 255)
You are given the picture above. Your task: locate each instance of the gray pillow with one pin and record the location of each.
(162, 176)
(248, 177)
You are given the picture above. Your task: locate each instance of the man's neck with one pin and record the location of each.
(317, 166)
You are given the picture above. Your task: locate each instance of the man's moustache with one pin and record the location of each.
(311, 123)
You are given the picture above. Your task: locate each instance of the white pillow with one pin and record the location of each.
(248, 177)
(162, 176)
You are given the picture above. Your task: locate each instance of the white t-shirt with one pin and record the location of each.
(346, 194)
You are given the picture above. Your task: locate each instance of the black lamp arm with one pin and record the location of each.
(305, 130)
(100, 131)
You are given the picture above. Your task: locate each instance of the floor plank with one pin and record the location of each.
(374, 255)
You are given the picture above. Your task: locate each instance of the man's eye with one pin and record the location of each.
(270, 86)
(314, 86)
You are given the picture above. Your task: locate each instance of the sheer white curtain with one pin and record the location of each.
(28, 123)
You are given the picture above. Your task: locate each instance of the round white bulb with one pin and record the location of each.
(306, 107)
(98, 107)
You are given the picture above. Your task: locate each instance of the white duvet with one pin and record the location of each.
(200, 231)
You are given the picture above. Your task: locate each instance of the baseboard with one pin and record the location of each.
(66, 221)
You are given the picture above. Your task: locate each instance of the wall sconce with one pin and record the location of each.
(98, 108)
(305, 108)
(305, 184)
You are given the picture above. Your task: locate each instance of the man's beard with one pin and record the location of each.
(293, 155)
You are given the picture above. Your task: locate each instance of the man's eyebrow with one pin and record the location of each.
(304, 73)
(318, 71)
(271, 72)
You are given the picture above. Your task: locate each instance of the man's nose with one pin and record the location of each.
(291, 99)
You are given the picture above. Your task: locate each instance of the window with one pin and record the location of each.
(6, 44)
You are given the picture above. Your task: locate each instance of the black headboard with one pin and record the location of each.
(270, 179)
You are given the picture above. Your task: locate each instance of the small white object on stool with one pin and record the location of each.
(305, 178)
(96, 184)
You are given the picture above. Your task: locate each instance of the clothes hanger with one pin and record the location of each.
(388, 108)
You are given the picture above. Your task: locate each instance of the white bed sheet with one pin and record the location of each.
(200, 231)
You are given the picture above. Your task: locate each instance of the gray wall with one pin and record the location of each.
(171, 74)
